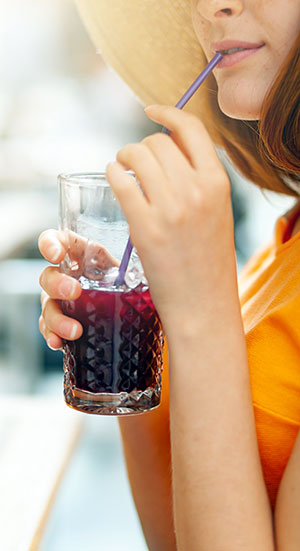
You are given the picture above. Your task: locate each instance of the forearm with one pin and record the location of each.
(287, 509)
(219, 496)
(146, 444)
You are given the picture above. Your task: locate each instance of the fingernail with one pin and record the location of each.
(67, 287)
(150, 106)
(54, 252)
(68, 329)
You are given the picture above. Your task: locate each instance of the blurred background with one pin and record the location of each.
(62, 110)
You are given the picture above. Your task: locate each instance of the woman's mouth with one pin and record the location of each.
(234, 52)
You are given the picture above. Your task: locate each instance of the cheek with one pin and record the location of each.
(202, 31)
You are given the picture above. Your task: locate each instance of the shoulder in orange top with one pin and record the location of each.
(269, 287)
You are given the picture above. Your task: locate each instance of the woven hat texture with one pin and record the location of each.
(151, 44)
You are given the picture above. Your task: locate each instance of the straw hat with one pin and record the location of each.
(151, 44)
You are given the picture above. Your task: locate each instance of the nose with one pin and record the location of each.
(210, 9)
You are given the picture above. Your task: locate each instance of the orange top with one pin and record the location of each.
(269, 288)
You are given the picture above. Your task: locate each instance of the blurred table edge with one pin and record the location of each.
(38, 436)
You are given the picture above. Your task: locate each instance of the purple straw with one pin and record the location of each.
(182, 102)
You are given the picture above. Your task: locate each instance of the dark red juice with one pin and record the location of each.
(121, 346)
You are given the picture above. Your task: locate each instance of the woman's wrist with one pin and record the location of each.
(187, 327)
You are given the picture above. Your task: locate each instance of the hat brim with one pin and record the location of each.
(150, 44)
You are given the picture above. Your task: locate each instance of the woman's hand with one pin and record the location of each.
(85, 258)
(182, 226)
(57, 286)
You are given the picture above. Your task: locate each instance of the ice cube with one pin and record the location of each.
(133, 277)
(110, 276)
(112, 235)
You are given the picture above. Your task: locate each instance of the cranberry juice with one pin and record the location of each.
(121, 346)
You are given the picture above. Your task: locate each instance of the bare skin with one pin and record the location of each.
(196, 473)
(174, 214)
(273, 23)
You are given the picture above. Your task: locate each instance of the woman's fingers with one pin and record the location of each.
(54, 244)
(169, 166)
(57, 323)
(58, 285)
(53, 341)
(139, 158)
(51, 246)
(179, 171)
(133, 203)
(189, 133)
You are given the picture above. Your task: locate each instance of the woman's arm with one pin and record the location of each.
(220, 498)
(182, 227)
(287, 509)
(146, 445)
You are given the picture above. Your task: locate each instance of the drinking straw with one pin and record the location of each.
(182, 102)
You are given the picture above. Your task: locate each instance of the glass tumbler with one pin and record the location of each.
(115, 367)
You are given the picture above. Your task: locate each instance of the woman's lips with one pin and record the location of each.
(229, 60)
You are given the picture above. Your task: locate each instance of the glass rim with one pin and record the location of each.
(84, 178)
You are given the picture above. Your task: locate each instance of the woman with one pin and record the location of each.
(216, 467)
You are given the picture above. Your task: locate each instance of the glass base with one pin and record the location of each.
(104, 403)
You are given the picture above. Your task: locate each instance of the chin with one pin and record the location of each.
(237, 109)
(239, 104)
